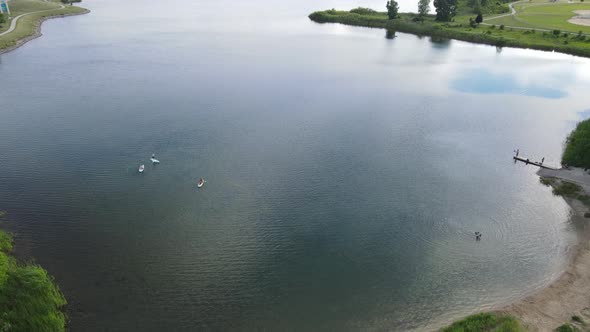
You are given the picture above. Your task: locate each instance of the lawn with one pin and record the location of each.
(544, 15)
(26, 25)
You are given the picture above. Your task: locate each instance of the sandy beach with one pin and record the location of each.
(569, 294)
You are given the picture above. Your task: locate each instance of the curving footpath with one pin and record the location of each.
(15, 20)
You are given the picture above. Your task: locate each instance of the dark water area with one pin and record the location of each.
(346, 172)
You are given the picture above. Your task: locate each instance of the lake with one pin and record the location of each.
(346, 172)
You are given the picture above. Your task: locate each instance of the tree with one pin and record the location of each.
(392, 9)
(479, 18)
(445, 9)
(2, 19)
(423, 7)
(477, 6)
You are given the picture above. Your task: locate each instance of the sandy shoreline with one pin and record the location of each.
(569, 295)
(38, 33)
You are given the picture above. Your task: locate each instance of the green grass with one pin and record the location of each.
(29, 298)
(460, 30)
(26, 25)
(547, 181)
(544, 15)
(567, 189)
(577, 147)
(485, 322)
(554, 16)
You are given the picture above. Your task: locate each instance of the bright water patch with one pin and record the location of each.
(483, 81)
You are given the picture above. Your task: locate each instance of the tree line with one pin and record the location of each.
(445, 9)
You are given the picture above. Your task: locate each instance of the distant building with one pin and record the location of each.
(4, 7)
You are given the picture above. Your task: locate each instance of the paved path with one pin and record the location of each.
(15, 20)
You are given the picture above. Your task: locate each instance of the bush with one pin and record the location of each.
(567, 189)
(556, 32)
(578, 319)
(566, 328)
(502, 27)
(547, 181)
(485, 322)
(577, 146)
(29, 300)
(364, 11)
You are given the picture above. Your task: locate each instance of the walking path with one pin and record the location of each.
(15, 20)
(512, 11)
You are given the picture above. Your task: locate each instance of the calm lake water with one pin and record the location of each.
(346, 172)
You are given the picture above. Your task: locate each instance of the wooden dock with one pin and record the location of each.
(530, 162)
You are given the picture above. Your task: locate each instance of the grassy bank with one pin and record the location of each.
(460, 29)
(29, 298)
(27, 26)
(577, 146)
(485, 322)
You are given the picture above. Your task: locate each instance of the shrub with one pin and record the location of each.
(547, 181)
(578, 319)
(485, 322)
(364, 11)
(30, 300)
(567, 189)
(577, 146)
(566, 328)
(556, 32)
(502, 27)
